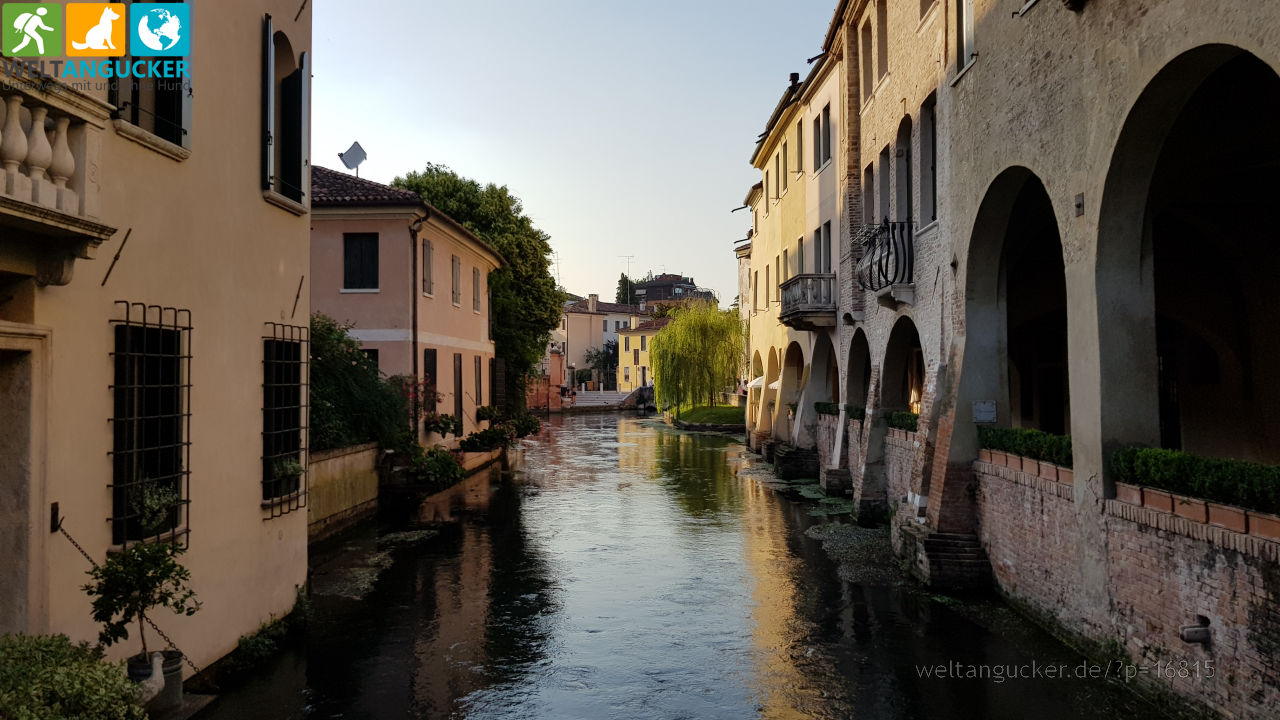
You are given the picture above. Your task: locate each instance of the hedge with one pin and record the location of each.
(49, 678)
(1231, 482)
(903, 420)
(1027, 443)
(851, 412)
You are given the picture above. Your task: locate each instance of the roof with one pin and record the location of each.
(647, 325)
(665, 279)
(331, 188)
(603, 307)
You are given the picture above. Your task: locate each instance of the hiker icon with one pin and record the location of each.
(30, 25)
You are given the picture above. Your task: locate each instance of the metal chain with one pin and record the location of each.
(150, 622)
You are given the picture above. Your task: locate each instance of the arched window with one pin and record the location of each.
(286, 122)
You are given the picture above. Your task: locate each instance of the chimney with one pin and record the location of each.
(593, 300)
(795, 79)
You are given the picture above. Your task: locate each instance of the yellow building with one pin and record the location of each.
(634, 370)
(153, 326)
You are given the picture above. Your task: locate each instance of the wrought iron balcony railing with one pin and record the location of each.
(888, 255)
(809, 301)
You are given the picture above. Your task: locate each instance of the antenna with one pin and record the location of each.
(628, 258)
(353, 157)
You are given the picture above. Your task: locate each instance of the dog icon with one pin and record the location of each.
(99, 36)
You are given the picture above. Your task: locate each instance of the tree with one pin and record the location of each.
(698, 354)
(605, 361)
(525, 302)
(351, 403)
(626, 291)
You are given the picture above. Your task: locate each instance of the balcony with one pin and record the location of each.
(887, 267)
(809, 301)
(50, 176)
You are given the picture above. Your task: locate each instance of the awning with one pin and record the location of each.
(775, 384)
(757, 383)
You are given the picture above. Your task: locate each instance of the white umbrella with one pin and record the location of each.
(775, 384)
(757, 383)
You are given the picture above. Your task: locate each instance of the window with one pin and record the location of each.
(284, 366)
(929, 160)
(479, 381)
(360, 261)
(786, 266)
(924, 6)
(457, 281)
(626, 374)
(777, 277)
(868, 195)
(644, 342)
(151, 390)
(825, 258)
(826, 133)
(604, 325)
(800, 147)
(457, 385)
(868, 72)
(755, 290)
(882, 210)
(635, 358)
(817, 144)
(882, 30)
(965, 44)
(767, 294)
(777, 192)
(428, 267)
(786, 165)
(617, 325)
(160, 106)
(286, 122)
(905, 200)
(475, 289)
(429, 370)
(766, 192)
(626, 344)
(800, 256)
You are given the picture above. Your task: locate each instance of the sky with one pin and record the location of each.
(625, 127)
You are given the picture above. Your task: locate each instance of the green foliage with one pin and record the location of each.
(855, 412)
(49, 678)
(487, 412)
(132, 582)
(525, 302)
(285, 470)
(526, 425)
(437, 468)
(626, 294)
(718, 415)
(908, 421)
(1027, 443)
(604, 360)
(351, 403)
(1231, 482)
(827, 408)
(498, 436)
(153, 504)
(253, 651)
(442, 425)
(696, 355)
(582, 375)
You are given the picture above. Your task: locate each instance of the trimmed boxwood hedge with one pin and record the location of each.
(1027, 443)
(49, 678)
(851, 412)
(903, 420)
(1231, 482)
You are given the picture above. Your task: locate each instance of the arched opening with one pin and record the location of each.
(793, 378)
(824, 374)
(902, 388)
(755, 393)
(1184, 273)
(903, 207)
(769, 398)
(858, 372)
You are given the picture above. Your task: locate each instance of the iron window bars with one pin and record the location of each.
(151, 426)
(284, 418)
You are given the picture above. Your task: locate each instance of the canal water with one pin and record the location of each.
(621, 569)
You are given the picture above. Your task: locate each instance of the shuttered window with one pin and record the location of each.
(360, 261)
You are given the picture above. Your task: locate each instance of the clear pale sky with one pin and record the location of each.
(625, 127)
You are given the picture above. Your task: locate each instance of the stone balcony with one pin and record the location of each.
(50, 152)
(809, 301)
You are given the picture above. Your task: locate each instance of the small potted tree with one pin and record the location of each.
(132, 583)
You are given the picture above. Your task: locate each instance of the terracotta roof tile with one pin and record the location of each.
(329, 188)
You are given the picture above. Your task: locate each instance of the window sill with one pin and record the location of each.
(1028, 6)
(429, 295)
(825, 164)
(933, 224)
(280, 201)
(927, 16)
(458, 305)
(973, 59)
(282, 500)
(178, 535)
(360, 291)
(129, 131)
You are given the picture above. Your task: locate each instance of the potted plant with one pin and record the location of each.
(286, 473)
(128, 586)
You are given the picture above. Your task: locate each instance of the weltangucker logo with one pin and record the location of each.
(100, 41)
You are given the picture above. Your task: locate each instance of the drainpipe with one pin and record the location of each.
(414, 228)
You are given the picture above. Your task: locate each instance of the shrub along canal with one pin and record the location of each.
(622, 569)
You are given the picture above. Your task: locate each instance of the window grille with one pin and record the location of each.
(151, 424)
(284, 418)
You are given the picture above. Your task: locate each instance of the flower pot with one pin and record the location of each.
(1191, 508)
(1066, 476)
(1228, 516)
(170, 695)
(1264, 525)
(1047, 471)
(1129, 494)
(985, 456)
(1029, 466)
(1157, 499)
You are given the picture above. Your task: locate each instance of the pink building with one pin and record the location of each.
(411, 282)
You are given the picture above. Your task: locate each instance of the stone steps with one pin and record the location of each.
(957, 561)
(792, 463)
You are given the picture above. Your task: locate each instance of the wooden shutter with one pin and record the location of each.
(429, 369)
(268, 104)
(457, 384)
(290, 136)
(479, 383)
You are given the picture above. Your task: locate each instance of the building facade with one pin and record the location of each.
(588, 325)
(1043, 212)
(634, 368)
(670, 286)
(153, 329)
(412, 283)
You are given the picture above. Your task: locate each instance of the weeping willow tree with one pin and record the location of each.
(697, 355)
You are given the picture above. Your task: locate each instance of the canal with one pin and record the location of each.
(621, 569)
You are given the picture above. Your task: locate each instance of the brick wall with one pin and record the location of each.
(899, 462)
(1162, 572)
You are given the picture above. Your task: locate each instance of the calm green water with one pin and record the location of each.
(620, 569)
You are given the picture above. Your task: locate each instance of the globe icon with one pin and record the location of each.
(160, 30)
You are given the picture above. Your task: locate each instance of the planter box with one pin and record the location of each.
(999, 458)
(1129, 494)
(1228, 516)
(1066, 476)
(1029, 466)
(1264, 526)
(1191, 508)
(985, 456)
(1157, 499)
(1048, 471)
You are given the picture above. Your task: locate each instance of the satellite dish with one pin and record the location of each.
(353, 157)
